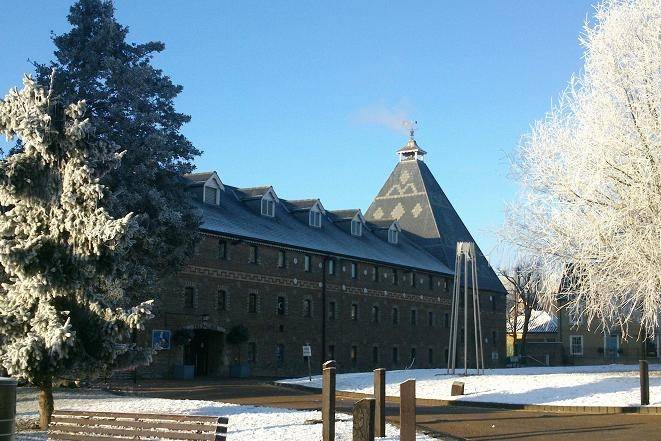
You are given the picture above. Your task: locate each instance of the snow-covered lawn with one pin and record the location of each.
(246, 423)
(610, 385)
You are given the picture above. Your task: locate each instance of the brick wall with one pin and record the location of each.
(273, 275)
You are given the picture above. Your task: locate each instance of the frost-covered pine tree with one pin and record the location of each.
(591, 175)
(132, 104)
(62, 304)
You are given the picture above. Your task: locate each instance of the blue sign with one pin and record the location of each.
(160, 339)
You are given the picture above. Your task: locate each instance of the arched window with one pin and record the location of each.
(375, 314)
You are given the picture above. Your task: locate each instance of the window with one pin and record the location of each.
(281, 305)
(375, 274)
(395, 354)
(281, 259)
(375, 314)
(430, 356)
(354, 355)
(280, 353)
(331, 352)
(414, 317)
(254, 254)
(331, 311)
(446, 285)
(252, 302)
(307, 308)
(315, 218)
(494, 338)
(446, 320)
(189, 297)
(375, 354)
(356, 227)
(393, 236)
(395, 281)
(430, 282)
(354, 270)
(268, 207)
(412, 279)
(395, 316)
(210, 195)
(222, 300)
(307, 263)
(430, 318)
(222, 250)
(252, 352)
(331, 267)
(493, 303)
(576, 345)
(354, 311)
(413, 354)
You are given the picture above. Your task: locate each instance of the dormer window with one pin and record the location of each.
(268, 206)
(393, 235)
(210, 195)
(356, 228)
(315, 218)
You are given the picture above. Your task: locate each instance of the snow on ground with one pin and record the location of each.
(606, 385)
(246, 423)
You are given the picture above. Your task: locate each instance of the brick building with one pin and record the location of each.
(368, 290)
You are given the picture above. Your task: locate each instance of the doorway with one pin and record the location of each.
(204, 352)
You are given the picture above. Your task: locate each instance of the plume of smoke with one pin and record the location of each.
(394, 118)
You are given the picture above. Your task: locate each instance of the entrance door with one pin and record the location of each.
(196, 353)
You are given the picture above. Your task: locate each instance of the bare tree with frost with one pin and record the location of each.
(62, 304)
(591, 175)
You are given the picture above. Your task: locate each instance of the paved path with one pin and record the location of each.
(468, 423)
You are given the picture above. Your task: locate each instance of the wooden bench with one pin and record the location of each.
(76, 425)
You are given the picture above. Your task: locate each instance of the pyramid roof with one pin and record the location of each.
(412, 195)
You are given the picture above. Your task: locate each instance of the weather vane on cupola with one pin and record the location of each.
(411, 151)
(410, 125)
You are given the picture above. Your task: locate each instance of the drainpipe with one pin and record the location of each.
(323, 309)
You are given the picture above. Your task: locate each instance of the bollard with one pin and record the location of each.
(407, 411)
(363, 420)
(328, 401)
(380, 404)
(644, 383)
(7, 409)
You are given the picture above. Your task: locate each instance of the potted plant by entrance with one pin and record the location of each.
(237, 336)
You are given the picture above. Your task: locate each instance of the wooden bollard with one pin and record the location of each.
(380, 402)
(328, 401)
(363, 420)
(407, 411)
(644, 383)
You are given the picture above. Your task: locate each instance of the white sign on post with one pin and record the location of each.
(307, 352)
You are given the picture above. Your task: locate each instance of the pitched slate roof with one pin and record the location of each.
(237, 217)
(197, 179)
(250, 193)
(345, 214)
(540, 321)
(412, 195)
(299, 204)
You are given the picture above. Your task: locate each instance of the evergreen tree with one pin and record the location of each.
(132, 105)
(63, 255)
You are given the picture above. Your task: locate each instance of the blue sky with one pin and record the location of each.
(298, 95)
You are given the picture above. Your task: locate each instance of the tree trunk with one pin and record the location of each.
(46, 404)
(524, 333)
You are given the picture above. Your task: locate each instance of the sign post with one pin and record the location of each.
(307, 353)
